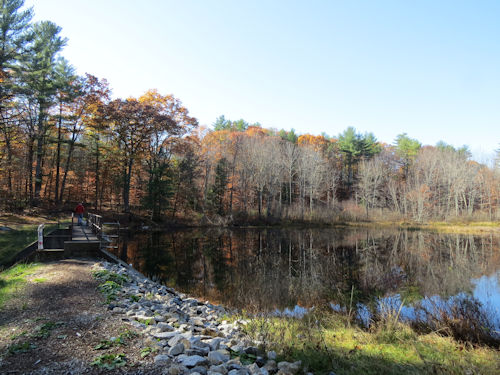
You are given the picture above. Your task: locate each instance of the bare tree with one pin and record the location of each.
(372, 178)
(290, 155)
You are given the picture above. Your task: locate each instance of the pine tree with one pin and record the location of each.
(218, 190)
(39, 85)
(14, 37)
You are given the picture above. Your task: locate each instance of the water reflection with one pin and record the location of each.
(275, 269)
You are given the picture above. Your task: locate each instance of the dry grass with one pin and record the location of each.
(325, 341)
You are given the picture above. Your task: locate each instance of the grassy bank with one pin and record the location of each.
(324, 341)
(13, 241)
(14, 279)
(435, 226)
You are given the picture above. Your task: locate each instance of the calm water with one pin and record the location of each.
(289, 271)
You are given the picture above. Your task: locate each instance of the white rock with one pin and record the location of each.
(164, 335)
(218, 357)
(162, 359)
(159, 318)
(255, 370)
(218, 369)
(289, 368)
(176, 370)
(193, 361)
(164, 327)
(176, 350)
(175, 339)
(214, 343)
(240, 371)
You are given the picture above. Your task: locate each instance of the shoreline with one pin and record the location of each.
(179, 334)
(190, 333)
(15, 221)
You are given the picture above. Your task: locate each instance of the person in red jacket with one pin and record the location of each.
(79, 210)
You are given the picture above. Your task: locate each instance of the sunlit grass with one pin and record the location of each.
(12, 242)
(13, 279)
(326, 342)
(464, 227)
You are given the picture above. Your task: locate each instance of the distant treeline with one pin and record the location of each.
(62, 139)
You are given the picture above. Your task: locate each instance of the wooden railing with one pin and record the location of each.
(108, 240)
(94, 221)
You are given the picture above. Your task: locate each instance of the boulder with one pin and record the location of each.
(218, 369)
(176, 350)
(165, 335)
(218, 357)
(175, 339)
(162, 359)
(164, 327)
(256, 370)
(289, 368)
(177, 370)
(199, 369)
(193, 361)
(241, 371)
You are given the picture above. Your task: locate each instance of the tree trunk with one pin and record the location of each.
(96, 173)
(269, 204)
(126, 185)
(9, 154)
(66, 169)
(176, 198)
(30, 169)
(58, 156)
(260, 203)
(310, 199)
(39, 155)
(38, 170)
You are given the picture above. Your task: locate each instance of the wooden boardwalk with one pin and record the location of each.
(82, 233)
(84, 240)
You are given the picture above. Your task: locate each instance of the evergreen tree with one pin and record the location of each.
(221, 123)
(14, 37)
(187, 172)
(39, 85)
(292, 136)
(68, 89)
(407, 149)
(159, 190)
(218, 190)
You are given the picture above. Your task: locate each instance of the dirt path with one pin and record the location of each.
(54, 323)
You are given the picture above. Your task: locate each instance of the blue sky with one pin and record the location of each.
(427, 68)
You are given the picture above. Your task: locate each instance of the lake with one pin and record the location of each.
(288, 271)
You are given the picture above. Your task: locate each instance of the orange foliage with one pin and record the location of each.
(255, 131)
(318, 142)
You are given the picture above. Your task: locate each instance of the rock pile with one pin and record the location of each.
(192, 336)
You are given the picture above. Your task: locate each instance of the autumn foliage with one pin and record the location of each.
(64, 139)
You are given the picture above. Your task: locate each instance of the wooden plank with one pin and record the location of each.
(81, 233)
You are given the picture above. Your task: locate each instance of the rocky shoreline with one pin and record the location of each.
(192, 337)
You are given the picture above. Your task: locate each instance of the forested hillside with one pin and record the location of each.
(65, 139)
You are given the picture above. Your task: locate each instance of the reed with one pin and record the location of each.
(327, 341)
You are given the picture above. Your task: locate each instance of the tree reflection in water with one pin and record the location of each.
(266, 270)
